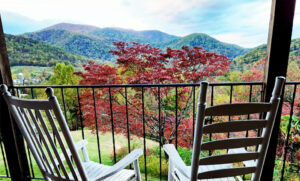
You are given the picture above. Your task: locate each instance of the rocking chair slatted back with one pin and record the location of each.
(257, 156)
(55, 152)
(235, 126)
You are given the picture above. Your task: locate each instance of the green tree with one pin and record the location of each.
(64, 75)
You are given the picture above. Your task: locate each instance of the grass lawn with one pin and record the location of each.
(106, 149)
(35, 69)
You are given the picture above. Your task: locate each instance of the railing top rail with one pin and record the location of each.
(292, 83)
(149, 85)
(138, 85)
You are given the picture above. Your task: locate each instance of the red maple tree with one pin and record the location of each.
(142, 64)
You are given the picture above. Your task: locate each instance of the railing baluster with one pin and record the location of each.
(96, 121)
(211, 118)
(63, 100)
(127, 122)
(194, 103)
(112, 124)
(176, 118)
(18, 93)
(230, 101)
(261, 115)
(159, 130)
(250, 100)
(32, 95)
(164, 141)
(144, 133)
(80, 112)
(288, 132)
(4, 159)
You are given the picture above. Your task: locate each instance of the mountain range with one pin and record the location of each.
(77, 44)
(26, 51)
(261, 51)
(14, 23)
(93, 42)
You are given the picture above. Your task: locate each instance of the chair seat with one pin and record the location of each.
(205, 168)
(94, 169)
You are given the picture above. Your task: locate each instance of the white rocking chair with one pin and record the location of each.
(220, 167)
(62, 161)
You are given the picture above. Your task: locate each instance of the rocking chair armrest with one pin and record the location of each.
(81, 144)
(176, 159)
(124, 162)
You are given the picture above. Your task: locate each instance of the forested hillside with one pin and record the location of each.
(207, 43)
(79, 44)
(26, 51)
(147, 36)
(95, 43)
(260, 52)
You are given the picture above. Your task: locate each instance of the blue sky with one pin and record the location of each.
(243, 22)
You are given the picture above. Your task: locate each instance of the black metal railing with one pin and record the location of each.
(250, 91)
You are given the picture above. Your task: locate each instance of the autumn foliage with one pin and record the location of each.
(291, 106)
(142, 64)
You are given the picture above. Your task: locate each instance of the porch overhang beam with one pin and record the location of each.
(11, 135)
(278, 48)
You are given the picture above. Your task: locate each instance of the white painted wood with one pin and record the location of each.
(128, 159)
(21, 126)
(137, 168)
(178, 176)
(66, 134)
(94, 169)
(34, 139)
(231, 143)
(33, 134)
(229, 172)
(30, 103)
(237, 109)
(216, 167)
(81, 145)
(61, 144)
(198, 134)
(234, 126)
(56, 162)
(228, 158)
(249, 163)
(171, 172)
(176, 160)
(53, 164)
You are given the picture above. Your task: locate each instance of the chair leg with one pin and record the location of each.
(170, 171)
(137, 170)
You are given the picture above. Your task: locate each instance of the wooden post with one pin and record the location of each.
(12, 138)
(279, 39)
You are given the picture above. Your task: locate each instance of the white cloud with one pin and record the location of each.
(95, 12)
(242, 39)
(242, 22)
(297, 14)
(135, 14)
(296, 26)
(168, 9)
